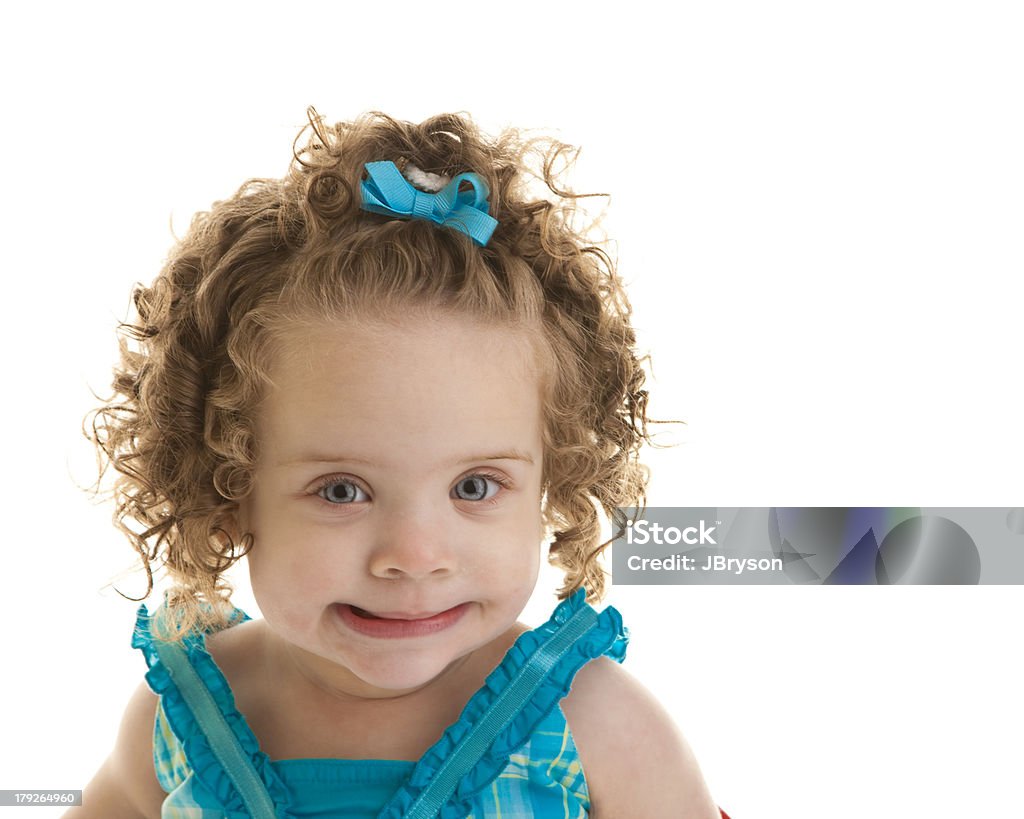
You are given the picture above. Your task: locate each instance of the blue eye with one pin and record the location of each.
(339, 491)
(476, 488)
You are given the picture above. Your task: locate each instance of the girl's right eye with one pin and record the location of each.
(339, 491)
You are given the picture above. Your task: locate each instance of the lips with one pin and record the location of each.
(391, 615)
(397, 624)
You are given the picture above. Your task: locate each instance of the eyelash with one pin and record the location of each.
(331, 480)
(501, 480)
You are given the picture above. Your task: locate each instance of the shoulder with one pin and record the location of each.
(239, 653)
(635, 760)
(237, 645)
(126, 785)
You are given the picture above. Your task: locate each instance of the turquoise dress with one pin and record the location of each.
(509, 755)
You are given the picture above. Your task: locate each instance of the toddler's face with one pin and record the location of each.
(396, 506)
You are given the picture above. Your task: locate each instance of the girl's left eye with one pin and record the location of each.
(476, 488)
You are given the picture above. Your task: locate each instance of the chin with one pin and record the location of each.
(401, 671)
(393, 665)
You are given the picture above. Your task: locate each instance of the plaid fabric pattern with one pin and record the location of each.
(544, 779)
(168, 754)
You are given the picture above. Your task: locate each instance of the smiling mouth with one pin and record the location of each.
(394, 624)
(365, 614)
(369, 615)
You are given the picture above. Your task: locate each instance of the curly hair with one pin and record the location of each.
(193, 366)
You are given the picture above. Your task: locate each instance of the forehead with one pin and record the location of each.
(433, 386)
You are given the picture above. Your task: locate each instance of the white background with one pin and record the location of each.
(818, 207)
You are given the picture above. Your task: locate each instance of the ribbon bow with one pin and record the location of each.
(389, 193)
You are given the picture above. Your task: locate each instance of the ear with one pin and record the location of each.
(229, 524)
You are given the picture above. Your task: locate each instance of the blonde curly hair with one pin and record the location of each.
(178, 430)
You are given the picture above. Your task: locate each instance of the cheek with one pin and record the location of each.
(278, 570)
(517, 554)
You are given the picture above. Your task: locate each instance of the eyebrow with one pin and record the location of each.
(322, 458)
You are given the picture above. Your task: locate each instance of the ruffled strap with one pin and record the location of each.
(523, 690)
(197, 701)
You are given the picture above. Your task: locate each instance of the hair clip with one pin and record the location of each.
(389, 193)
(425, 181)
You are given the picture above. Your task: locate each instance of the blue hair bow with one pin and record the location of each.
(389, 193)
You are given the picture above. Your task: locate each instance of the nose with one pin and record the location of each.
(413, 549)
